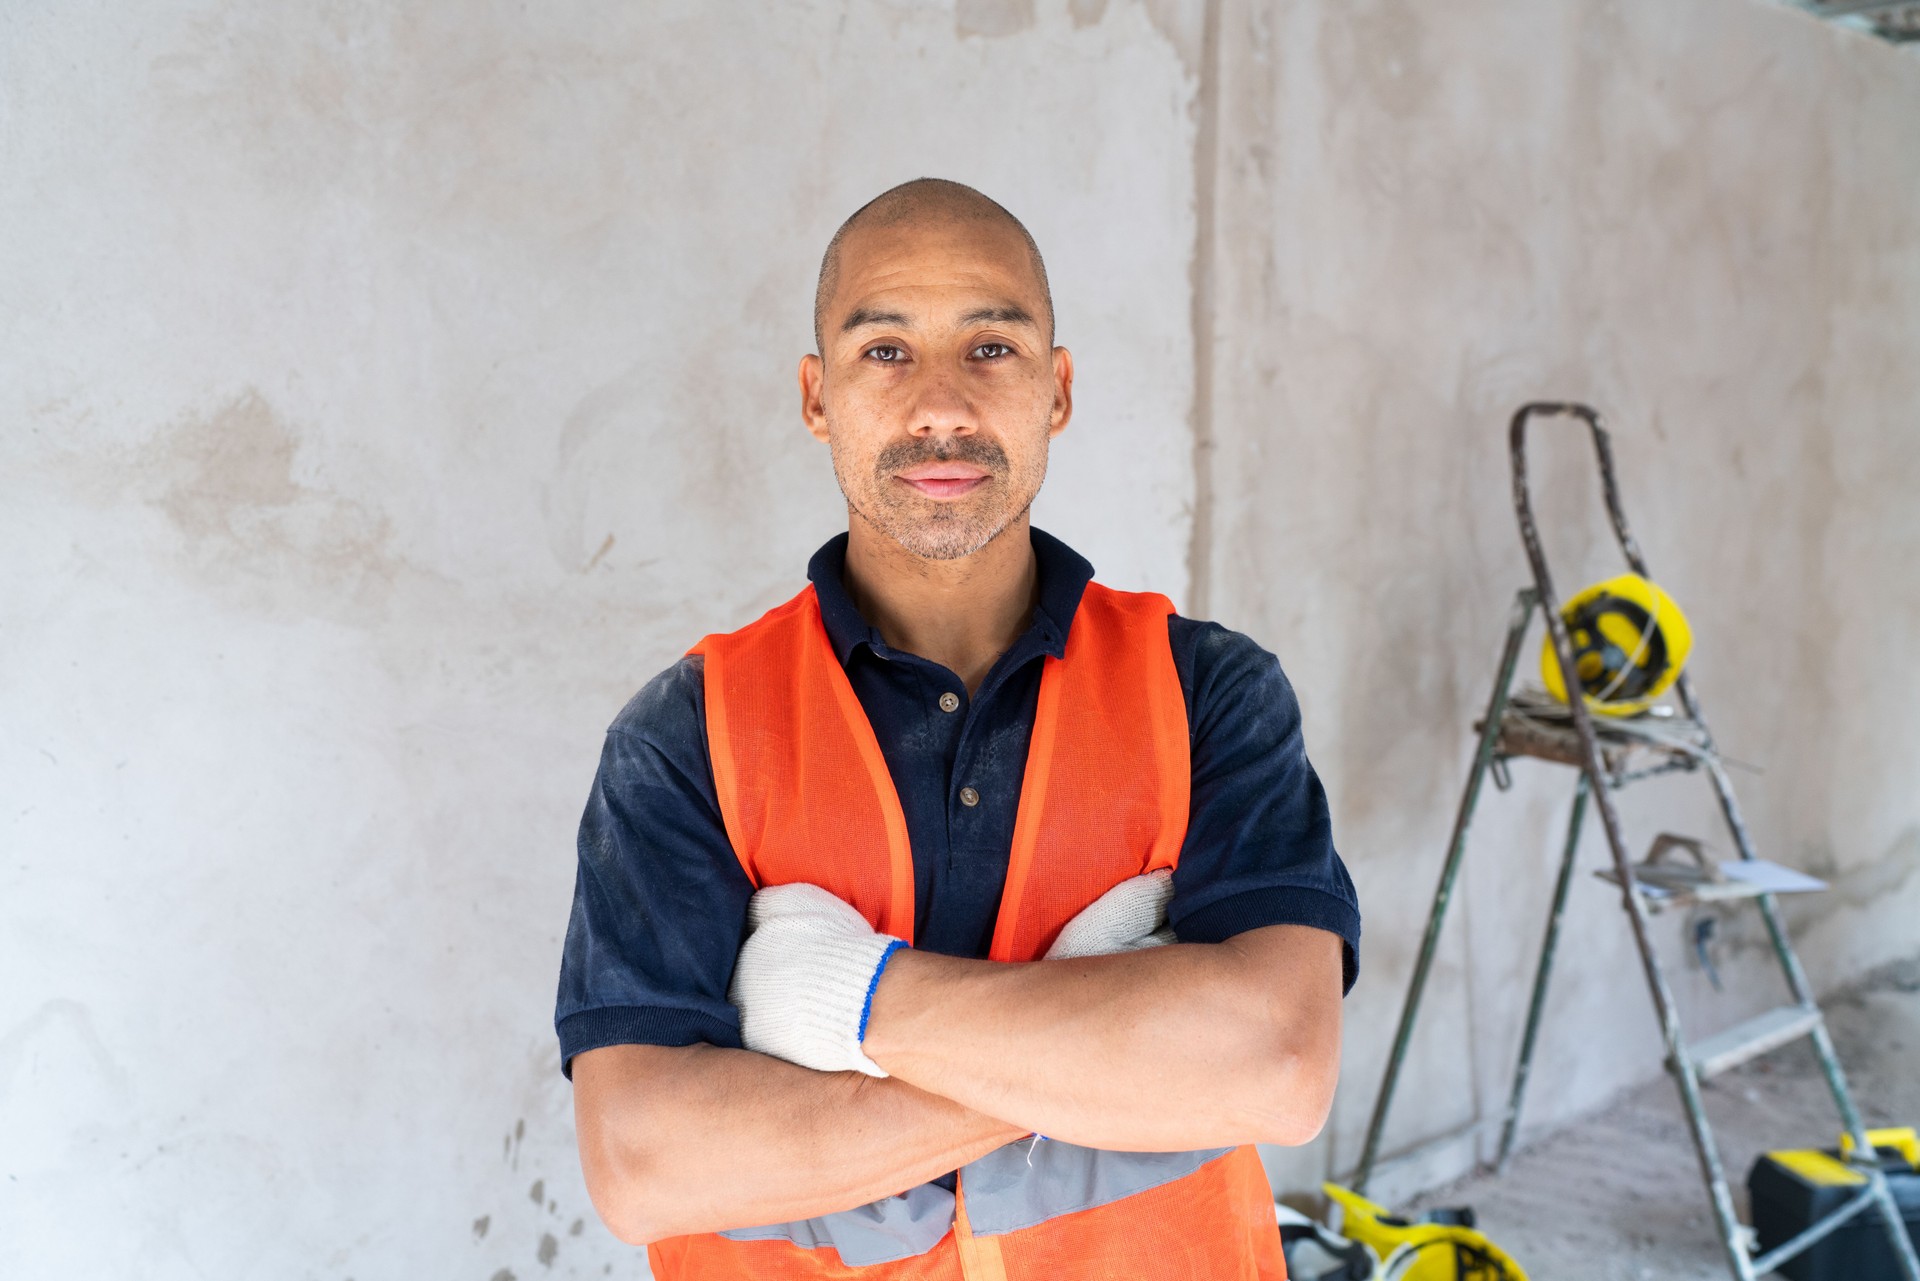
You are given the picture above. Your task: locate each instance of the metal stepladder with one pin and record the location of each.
(1605, 755)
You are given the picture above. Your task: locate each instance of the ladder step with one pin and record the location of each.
(1743, 1041)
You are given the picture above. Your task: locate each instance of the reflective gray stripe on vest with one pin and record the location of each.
(1029, 1182)
(1013, 1187)
(898, 1227)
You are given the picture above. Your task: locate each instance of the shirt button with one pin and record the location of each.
(949, 702)
(969, 797)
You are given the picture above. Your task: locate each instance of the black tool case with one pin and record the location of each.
(1789, 1190)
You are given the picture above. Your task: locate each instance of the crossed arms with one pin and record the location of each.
(1173, 1048)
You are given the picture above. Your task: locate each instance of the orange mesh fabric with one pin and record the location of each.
(1108, 771)
(803, 788)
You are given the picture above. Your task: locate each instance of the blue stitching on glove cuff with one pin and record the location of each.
(866, 1010)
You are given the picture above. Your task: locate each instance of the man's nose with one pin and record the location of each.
(941, 408)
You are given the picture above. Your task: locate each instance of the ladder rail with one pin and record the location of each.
(1664, 1005)
(1536, 1004)
(1609, 821)
(1879, 1190)
(1603, 455)
(1523, 606)
(1797, 982)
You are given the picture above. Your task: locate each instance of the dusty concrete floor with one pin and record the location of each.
(1619, 1197)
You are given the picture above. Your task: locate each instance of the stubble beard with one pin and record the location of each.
(934, 530)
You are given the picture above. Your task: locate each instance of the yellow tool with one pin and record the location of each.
(1629, 642)
(1421, 1251)
(1905, 1140)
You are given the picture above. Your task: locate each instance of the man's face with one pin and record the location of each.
(935, 386)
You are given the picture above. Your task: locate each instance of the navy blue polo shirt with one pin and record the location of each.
(660, 902)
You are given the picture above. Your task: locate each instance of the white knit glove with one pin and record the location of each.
(1130, 916)
(805, 977)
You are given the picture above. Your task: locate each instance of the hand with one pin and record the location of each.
(804, 979)
(1130, 916)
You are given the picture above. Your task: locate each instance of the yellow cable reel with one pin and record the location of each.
(1629, 642)
(1421, 1251)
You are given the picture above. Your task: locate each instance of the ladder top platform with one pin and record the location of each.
(1536, 724)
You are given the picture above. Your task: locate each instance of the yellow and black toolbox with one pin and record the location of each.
(1789, 1190)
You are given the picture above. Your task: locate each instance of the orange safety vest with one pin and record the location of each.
(806, 796)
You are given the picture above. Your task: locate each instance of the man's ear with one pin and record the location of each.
(813, 411)
(1062, 391)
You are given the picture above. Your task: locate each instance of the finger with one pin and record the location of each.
(1138, 904)
(1117, 920)
(795, 899)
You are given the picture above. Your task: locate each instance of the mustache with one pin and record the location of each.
(966, 449)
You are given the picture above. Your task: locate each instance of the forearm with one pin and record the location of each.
(698, 1139)
(1176, 1047)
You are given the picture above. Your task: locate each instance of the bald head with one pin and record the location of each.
(922, 202)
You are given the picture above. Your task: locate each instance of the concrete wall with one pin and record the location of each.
(1704, 220)
(388, 394)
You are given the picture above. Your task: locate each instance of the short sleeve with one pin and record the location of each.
(1259, 845)
(660, 901)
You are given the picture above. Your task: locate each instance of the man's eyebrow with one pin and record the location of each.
(1007, 314)
(860, 317)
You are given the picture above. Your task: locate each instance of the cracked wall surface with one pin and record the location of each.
(389, 394)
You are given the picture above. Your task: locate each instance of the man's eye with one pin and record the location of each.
(885, 355)
(992, 350)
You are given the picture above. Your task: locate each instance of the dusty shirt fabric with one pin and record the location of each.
(660, 901)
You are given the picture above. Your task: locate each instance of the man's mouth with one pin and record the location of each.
(943, 480)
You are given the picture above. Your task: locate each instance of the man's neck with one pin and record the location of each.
(962, 613)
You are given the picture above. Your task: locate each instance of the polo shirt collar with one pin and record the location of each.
(1064, 575)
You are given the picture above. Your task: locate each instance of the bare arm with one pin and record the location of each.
(1187, 1046)
(698, 1138)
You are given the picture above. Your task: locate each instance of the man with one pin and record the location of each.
(952, 739)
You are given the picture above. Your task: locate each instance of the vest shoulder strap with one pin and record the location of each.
(803, 788)
(1109, 770)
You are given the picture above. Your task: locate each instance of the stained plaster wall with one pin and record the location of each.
(1704, 220)
(388, 394)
